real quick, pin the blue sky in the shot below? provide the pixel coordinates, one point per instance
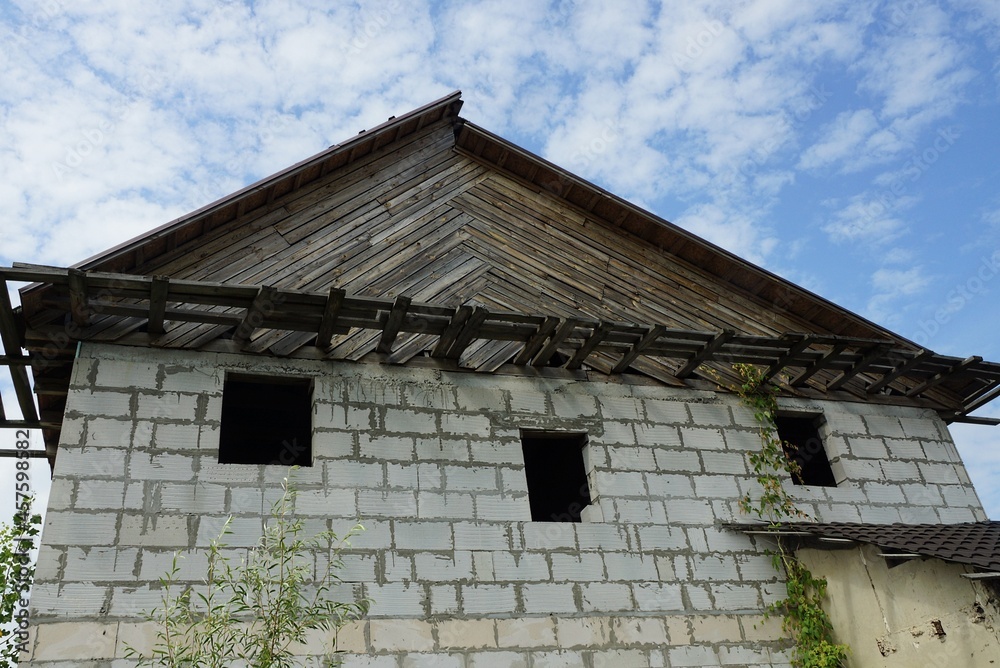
(848, 146)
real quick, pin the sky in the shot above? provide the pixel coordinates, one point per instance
(848, 146)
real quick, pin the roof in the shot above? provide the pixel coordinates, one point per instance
(972, 543)
(430, 237)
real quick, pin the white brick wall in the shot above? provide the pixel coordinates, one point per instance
(431, 462)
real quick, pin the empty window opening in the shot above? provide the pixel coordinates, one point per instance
(557, 477)
(266, 420)
(802, 444)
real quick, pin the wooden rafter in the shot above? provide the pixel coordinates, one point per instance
(331, 311)
(867, 359)
(899, 370)
(583, 352)
(705, 353)
(158, 290)
(648, 339)
(562, 333)
(11, 341)
(942, 376)
(817, 366)
(393, 323)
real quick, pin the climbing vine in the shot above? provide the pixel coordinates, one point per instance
(802, 612)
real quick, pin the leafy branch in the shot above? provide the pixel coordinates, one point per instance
(258, 610)
(802, 613)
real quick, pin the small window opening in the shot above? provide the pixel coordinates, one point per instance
(802, 444)
(266, 420)
(557, 477)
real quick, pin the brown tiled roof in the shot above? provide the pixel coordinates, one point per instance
(973, 543)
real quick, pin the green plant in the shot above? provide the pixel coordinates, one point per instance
(17, 540)
(255, 611)
(801, 610)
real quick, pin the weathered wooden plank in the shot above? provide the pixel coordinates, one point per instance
(562, 333)
(331, 312)
(597, 335)
(12, 348)
(899, 370)
(536, 342)
(706, 352)
(818, 365)
(868, 358)
(393, 323)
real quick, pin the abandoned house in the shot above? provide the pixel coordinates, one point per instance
(520, 384)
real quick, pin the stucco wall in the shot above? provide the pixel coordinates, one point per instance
(431, 462)
(917, 613)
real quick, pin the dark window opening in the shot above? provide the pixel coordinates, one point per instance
(802, 444)
(557, 478)
(266, 420)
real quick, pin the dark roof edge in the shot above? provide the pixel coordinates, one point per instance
(657, 224)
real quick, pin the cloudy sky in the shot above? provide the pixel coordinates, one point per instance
(849, 146)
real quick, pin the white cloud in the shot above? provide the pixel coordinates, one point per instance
(889, 287)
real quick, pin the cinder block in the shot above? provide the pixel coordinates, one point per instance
(466, 633)
(360, 475)
(100, 494)
(91, 462)
(710, 414)
(631, 458)
(658, 597)
(455, 505)
(690, 511)
(620, 483)
(882, 493)
(401, 635)
(734, 596)
(648, 631)
(472, 426)
(75, 641)
(605, 597)
(941, 474)
(167, 406)
(674, 459)
(867, 448)
(617, 433)
(582, 631)
(333, 444)
(557, 659)
(939, 451)
(526, 401)
(480, 398)
(497, 452)
(454, 567)
(520, 567)
(176, 436)
(713, 567)
(897, 471)
(660, 538)
(74, 528)
(443, 449)
(716, 486)
(703, 439)
(607, 537)
(526, 632)
(637, 511)
(629, 567)
(693, 655)
(573, 405)
(734, 463)
(923, 428)
(481, 536)
(502, 507)
(658, 435)
(399, 421)
(99, 564)
(485, 599)
(884, 425)
(146, 466)
(621, 408)
(422, 536)
(471, 478)
(666, 412)
(395, 599)
(491, 659)
(387, 503)
(386, 448)
(106, 403)
(345, 417)
(586, 567)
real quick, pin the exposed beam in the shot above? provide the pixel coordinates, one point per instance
(468, 332)
(558, 337)
(451, 332)
(798, 342)
(866, 361)
(157, 304)
(991, 393)
(648, 339)
(599, 334)
(12, 348)
(537, 340)
(705, 353)
(331, 311)
(392, 324)
(900, 370)
(972, 419)
(818, 365)
(255, 314)
(79, 310)
(937, 378)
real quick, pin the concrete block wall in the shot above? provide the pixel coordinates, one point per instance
(431, 462)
